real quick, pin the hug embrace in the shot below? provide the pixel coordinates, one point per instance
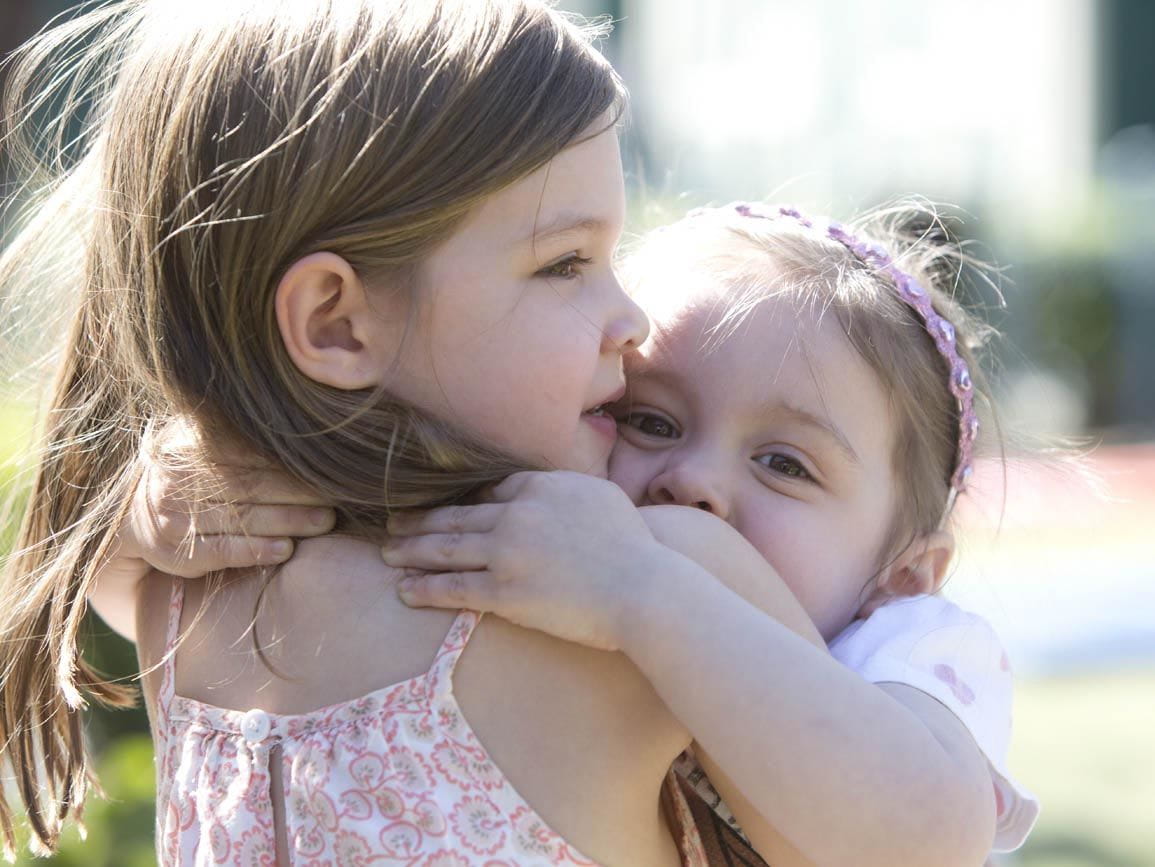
(445, 536)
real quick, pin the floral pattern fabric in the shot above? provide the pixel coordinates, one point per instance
(394, 777)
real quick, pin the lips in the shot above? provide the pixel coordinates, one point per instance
(602, 422)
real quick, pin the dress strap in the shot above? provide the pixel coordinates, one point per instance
(441, 672)
(172, 635)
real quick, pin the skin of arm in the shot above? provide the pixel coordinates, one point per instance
(852, 772)
(819, 766)
(116, 593)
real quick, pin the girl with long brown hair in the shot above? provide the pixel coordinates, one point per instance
(370, 244)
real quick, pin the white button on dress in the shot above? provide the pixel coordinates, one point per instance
(255, 726)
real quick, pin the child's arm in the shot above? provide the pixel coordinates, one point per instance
(250, 519)
(807, 728)
(851, 773)
(698, 536)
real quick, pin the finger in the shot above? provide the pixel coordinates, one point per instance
(476, 590)
(204, 554)
(448, 519)
(247, 519)
(439, 552)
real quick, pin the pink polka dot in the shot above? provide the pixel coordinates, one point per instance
(961, 691)
(946, 674)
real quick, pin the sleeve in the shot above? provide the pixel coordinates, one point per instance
(954, 656)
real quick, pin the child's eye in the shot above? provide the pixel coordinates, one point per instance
(651, 425)
(566, 269)
(784, 465)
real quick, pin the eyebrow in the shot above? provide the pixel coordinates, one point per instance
(823, 425)
(564, 224)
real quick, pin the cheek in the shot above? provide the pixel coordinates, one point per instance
(513, 364)
(632, 469)
(815, 562)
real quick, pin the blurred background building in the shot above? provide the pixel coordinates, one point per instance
(1036, 119)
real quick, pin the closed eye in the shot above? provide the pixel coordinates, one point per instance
(566, 269)
(786, 466)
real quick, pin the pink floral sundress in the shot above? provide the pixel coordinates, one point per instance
(394, 777)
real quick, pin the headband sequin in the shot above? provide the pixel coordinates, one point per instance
(917, 298)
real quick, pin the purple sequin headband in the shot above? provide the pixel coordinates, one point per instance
(917, 298)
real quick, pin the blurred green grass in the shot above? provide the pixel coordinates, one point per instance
(1085, 745)
(16, 422)
(120, 825)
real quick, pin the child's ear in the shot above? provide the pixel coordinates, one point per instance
(330, 330)
(920, 568)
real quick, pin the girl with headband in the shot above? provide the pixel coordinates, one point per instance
(813, 386)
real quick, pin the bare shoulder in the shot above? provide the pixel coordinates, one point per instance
(516, 686)
(332, 628)
(332, 604)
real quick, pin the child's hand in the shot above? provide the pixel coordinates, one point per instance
(560, 552)
(188, 523)
(238, 513)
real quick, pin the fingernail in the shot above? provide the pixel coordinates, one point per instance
(320, 517)
(282, 548)
(405, 588)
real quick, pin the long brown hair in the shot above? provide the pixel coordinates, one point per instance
(218, 143)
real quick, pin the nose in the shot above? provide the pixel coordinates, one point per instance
(690, 483)
(628, 326)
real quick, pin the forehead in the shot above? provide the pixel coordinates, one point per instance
(739, 360)
(698, 326)
(580, 189)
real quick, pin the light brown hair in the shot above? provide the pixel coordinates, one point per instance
(757, 259)
(221, 142)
